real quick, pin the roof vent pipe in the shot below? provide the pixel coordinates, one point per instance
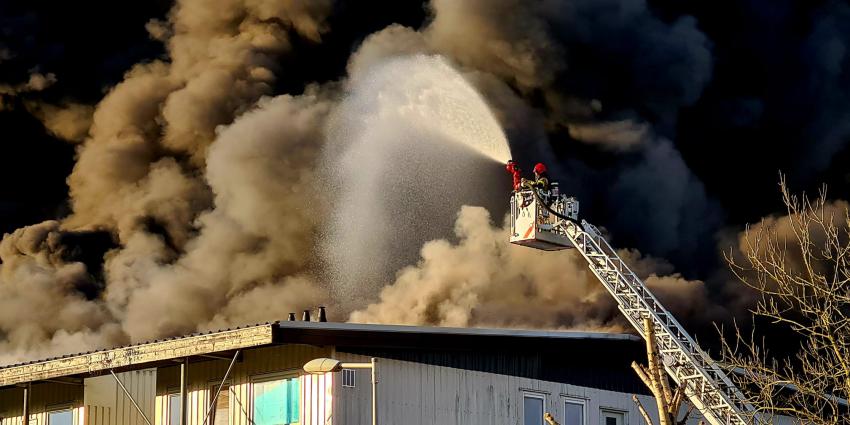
(306, 316)
(322, 315)
(291, 317)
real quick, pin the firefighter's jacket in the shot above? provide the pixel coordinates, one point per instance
(542, 183)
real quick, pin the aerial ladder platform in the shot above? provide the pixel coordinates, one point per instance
(549, 221)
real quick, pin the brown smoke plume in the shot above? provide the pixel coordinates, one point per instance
(250, 245)
(616, 135)
(484, 281)
(40, 310)
(35, 83)
(70, 121)
(210, 214)
(222, 60)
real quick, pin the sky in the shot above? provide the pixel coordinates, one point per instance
(143, 140)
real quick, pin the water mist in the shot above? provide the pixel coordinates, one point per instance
(412, 142)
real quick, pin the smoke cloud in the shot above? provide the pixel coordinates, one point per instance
(250, 245)
(483, 281)
(70, 122)
(229, 185)
(617, 135)
(41, 308)
(36, 82)
(203, 214)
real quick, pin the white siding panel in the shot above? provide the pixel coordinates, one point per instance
(317, 400)
(419, 394)
(104, 395)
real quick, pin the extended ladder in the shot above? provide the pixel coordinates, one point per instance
(707, 387)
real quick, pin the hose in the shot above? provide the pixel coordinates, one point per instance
(548, 208)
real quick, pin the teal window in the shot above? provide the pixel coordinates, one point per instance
(277, 402)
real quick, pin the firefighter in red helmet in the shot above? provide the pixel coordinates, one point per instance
(541, 179)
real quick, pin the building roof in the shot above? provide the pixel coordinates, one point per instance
(404, 329)
(420, 337)
(148, 354)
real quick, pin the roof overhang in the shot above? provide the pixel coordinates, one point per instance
(426, 337)
(221, 344)
(145, 353)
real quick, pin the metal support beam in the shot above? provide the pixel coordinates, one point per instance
(68, 381)
(214, 357)
(374, 391)
(27, 394)
(220, 386)
(184, 391)
(132, 400)
(184, 394)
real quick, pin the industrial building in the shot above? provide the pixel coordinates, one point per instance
(254, 375)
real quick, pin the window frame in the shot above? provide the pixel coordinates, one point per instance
(274, 376)
(69, 407)
(624, 415)
(579, 401)
(168, 394)
(353, 374)
(211, 388)
(538, 395)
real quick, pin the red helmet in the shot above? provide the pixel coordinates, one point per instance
(539, 168)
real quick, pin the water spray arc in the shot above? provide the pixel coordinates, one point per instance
(410, 144)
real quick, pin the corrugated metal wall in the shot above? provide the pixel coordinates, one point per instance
(45, 397)
(409, 392)
(255, 364)
(98, 415)
(106, 403)
(419, 394)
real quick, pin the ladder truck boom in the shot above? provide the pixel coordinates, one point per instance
(550, 222)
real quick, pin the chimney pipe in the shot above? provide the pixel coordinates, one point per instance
(322, 316)
(291, 317)
(306, 316)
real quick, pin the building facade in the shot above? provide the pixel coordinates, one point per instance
(255, 376)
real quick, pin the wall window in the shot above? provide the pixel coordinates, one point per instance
(221, 412)
(174, 409)
(277, 402)
(60, 417)
(574, 412)
(611, 417)
(348, 376)
(532, 409)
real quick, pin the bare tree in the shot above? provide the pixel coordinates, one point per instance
(668, 400)
(798, 267)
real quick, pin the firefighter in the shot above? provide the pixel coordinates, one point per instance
(541, 179)
(516, 174)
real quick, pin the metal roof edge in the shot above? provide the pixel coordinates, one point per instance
(145, 352)
(435, 330)
(251, 336)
